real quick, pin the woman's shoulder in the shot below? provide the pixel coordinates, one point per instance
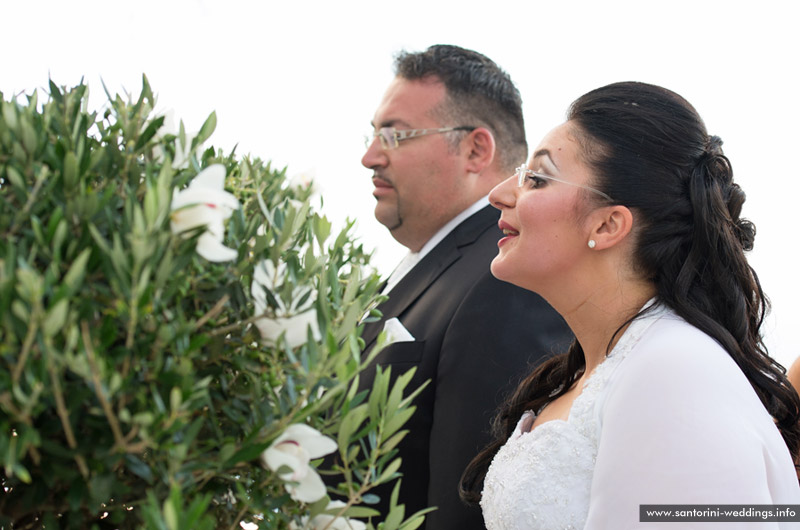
(672, 343)
(675, 362)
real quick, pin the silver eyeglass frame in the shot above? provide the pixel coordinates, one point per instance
(391, 137)
(523, 173)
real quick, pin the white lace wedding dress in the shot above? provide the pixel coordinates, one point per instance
(667, 418)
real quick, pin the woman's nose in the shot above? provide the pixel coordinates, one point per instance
(504, 195)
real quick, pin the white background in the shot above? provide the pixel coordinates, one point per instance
(298, 82)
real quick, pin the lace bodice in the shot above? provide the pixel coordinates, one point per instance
(666, 418)
(541, 479)
(553, 464)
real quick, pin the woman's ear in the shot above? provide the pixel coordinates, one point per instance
(611, 225)
(480, 150)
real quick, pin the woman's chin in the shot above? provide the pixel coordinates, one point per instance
(501, 271)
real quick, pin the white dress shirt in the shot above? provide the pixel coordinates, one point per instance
(412, 258)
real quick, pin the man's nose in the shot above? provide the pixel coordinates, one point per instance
(375, 156)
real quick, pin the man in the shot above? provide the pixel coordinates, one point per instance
(448, 129)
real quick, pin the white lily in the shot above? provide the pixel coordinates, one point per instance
(330, 522)
(206, 203)
(294, 449)
(295, 319)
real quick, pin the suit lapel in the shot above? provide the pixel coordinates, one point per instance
(424, 273)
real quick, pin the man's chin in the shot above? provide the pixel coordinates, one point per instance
(388, 219)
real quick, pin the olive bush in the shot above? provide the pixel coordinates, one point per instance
(179, 333)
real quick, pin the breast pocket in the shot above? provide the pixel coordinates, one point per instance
(401, 353)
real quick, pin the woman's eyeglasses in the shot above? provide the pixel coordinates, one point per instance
(523, 173)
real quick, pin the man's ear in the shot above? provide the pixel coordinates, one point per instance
(611, 225)
(480, 149)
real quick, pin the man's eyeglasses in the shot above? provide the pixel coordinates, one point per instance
(523, 173)
(390, 137)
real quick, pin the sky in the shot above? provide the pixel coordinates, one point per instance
(298, 83)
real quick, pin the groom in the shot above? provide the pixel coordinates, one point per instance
(449, 128)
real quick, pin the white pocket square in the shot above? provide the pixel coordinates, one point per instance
(395, 332)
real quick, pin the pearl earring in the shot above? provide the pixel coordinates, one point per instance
(591, 243)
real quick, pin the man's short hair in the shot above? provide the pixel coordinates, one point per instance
(479, 94)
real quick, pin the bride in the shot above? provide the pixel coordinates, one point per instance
(627, 222)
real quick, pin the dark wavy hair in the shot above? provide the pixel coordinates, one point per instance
(649, 150)
(479, 94)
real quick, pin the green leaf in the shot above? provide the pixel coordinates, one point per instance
(395, 494)
(143, 418)
(33, 99)
(322, 229)
(77, 272)
(29, 285)
(59, 236)
(414, 522)
(351, 318)
(370, 498)
(392, 442)
(206, 130)
(361, 511)
(352, 454)
(70, 171)
(195, 515)
(170, 511)
(394, 518)
(246, 454)
(55, 93)
(397, 420)
(353, 283)
(21, 473)
(389, 471)
(349, 425)
(99, 239)
(38, 232)
(377, 397)
(10, 114)
(175, 399)
(29, 139)
(100, 490)
(151, 206)
(55, 318)
(20, 310)
(139, 468)
(150, 131)
(15, 178)
(77, 493)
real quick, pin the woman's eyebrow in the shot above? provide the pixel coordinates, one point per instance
(544, 152)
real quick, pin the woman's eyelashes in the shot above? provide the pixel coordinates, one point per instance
(535, 181)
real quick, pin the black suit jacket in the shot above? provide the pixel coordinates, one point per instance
(476, 338)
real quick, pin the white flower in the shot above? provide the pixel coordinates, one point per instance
(304, 179)
(295, 327)
(183, 151)
(324, 520)
(206, 203)
(293, 319)
(294, 449)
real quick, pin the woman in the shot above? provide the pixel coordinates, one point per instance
(627, 222)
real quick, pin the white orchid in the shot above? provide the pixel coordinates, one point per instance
(206, 203)
(305, 179)
(294, 449)
(183, 142)
(328, 521)
(293, 319)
